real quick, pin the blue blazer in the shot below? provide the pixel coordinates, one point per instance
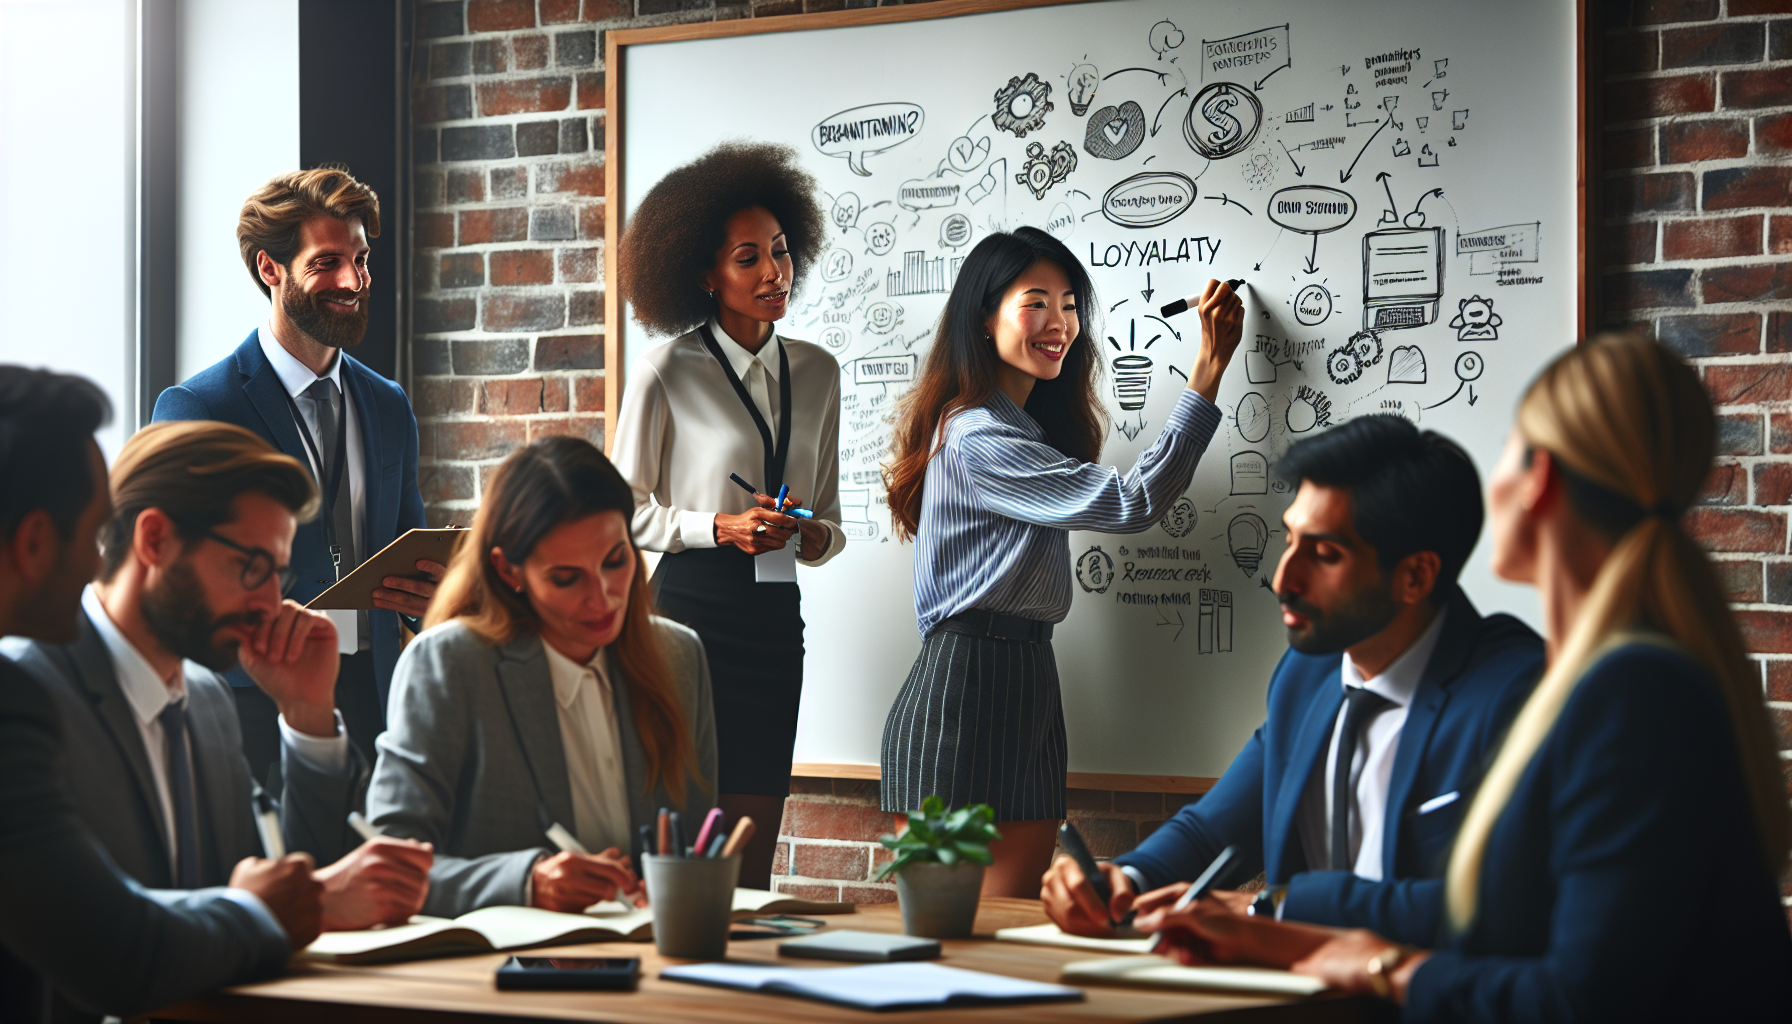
(1624, 880)
(1479, 674)
(243, 389)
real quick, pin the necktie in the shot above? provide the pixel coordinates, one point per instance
(1360, 706)
(328, 400)
(180, 788)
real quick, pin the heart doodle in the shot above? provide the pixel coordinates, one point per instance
(1114, 132)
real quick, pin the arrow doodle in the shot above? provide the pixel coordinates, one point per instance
(1313, 259)
(1222, 197)
(1391, 215)
(1158, 121)
(1344, 176)
(1166, 323)
(1164, 620)
(1147, 293)
(1299, 171)
(1272, 248)
(1459, 386)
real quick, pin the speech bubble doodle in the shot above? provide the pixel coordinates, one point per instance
(1163, 37)
(863, 131)
(836, 338)
(882, 317)
(1312, 209)
(955, 231)
(964, 155)
(881, 237)
(845, 212)
(1148, 199)
(927, 193)
(1062, 221)
(836, 265)
(884, 369)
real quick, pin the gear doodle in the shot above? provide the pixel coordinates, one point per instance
(1366, 345)
(1043, 170)
(1021, 105)
(1342, 366)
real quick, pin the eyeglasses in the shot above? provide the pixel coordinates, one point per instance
(259, 567)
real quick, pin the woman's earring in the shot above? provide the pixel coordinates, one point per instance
(519, 591)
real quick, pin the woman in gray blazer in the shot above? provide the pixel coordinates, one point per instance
(543, 692)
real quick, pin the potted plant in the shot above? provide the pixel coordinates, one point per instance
(939, 867)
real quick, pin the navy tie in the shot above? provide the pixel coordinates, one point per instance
(1360, 706)
(180, 788)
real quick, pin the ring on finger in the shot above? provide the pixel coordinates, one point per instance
(759, 529)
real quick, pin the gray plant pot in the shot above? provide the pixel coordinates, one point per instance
(939, 901)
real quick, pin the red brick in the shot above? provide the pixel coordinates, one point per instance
(1752, 90)
(1727, 484)
(441, 396)
(472, 439)
(1756, 282)
(591, 221)
(522, 266)
(525, 95)
(531, 52)
(1647, 289)
(1712, 334)
(461, 270)
(1733, 188)
(511, 397)
(1773, 134)
(1779, 235)
(808, 891)
(1621, 244)
(1779, 434)
(500, 15)
(1743, 8)
(1107, 837)
(439, 483)
(591, 428)
(777, 8)
(584, 308)
(780, 860)
(588, 392)
(1685, 142)
(515, 313)
(1646, 193)
(1631, 52)
(1740, 580)
(1735, 529)
(578, 265)
(435, 230)
(559, 12)
(570, 352)
(591, 91)
(865, 895)
(1773, 483)
(847, 863)
(1659, 97)
(1631, 147)
(441, 103)
(1765, 632)
(554, 395)
(1665, 12)
(1729, 42)
(482, 227)
(850, 822)
(1779, 331)
(466, 186)
(598, 10)
(1779, 680)
(582, 177)
(1138, 803)
(1711, 238)
(440, 315)
(1749, 384)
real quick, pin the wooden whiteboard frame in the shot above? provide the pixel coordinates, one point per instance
(616, 47)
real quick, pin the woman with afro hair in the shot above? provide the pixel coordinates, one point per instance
(710, 257)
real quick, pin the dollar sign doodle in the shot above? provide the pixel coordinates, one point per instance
(1222, 120)
(1226, 127)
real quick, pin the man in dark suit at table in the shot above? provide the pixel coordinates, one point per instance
(72, 927)
(1382, 715)
(304, 238)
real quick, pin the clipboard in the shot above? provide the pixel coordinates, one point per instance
(399, 558)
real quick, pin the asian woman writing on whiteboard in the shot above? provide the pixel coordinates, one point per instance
(994, 463)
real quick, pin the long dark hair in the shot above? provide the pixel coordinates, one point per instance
(553, 481)
(961, 368)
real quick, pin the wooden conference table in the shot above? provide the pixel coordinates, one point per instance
(459, 990)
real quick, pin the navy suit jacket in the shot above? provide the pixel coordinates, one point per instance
(242, 388)
(1479, 674)
(1584, 911)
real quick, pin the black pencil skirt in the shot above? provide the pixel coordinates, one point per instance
(753, 635)
(980, 720)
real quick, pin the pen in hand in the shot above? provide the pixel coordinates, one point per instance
(1202, 887)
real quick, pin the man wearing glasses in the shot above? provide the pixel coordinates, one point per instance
(195, 562)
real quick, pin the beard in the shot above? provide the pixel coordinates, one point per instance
(1357, 618)
(323, 324)
(182, 622)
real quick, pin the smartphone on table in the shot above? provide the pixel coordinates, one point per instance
(615, 973)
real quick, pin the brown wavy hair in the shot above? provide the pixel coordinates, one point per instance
(961, 368)
(675, 233)
(272, 215)
(553, 481)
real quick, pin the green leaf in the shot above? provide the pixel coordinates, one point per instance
(975, 853)
(947, 855)
(957, 821)
(919, 828)
(933, 807)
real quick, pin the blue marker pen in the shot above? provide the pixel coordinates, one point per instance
(783, 492)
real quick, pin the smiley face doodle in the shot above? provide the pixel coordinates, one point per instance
(882, 317)
(880, 237)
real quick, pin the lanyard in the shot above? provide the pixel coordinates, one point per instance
(335, 484)
(774, 454)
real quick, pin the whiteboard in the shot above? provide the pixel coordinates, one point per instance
(1395, 181)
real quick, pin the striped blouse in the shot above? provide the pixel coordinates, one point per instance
(999, 502)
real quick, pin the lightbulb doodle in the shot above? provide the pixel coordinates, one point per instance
(1246, 537)
(1080, 86)
(1132, 369)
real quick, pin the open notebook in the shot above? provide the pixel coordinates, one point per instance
(496, 928)
(909, 986)
(1159, 972)
(1050, 935)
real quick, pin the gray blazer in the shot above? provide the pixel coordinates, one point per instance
(106, 769)
(472, 751)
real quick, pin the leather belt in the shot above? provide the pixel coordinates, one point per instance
(977, 622)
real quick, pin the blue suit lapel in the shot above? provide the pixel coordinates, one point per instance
(1448, 660)
(1315, 735)
(264, 391)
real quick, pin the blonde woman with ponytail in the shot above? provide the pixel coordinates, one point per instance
(1621, 857)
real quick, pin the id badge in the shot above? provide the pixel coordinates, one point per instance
(776, 566)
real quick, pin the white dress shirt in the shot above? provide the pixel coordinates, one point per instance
(149, 694)
(593, 746)
(1373, 766)
(297, 377)
(682, 430)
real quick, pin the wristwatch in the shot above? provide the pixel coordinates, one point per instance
(1381, 967)
(1268, 902)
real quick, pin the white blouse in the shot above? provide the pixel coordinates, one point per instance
(592, 740)
(683, 429)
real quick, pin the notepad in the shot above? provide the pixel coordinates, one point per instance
(1159, 972)
(878, 986)
(860, 947)
(1052, 935)
(499, 928)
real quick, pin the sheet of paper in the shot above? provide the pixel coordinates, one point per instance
(1051, 935)
(875, 986)
(776, 566)
(346, 629)
(1159, 972)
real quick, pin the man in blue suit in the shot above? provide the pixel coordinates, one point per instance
(1382, 715)
(303, 238)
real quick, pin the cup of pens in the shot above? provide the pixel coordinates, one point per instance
(691, 888)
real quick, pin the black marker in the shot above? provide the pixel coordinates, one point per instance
(750, 489)
(1188, 302)
(801, 513)
(1072, 841)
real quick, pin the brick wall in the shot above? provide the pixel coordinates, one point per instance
(1695, 244)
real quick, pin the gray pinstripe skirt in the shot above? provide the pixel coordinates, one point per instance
(979, 720)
